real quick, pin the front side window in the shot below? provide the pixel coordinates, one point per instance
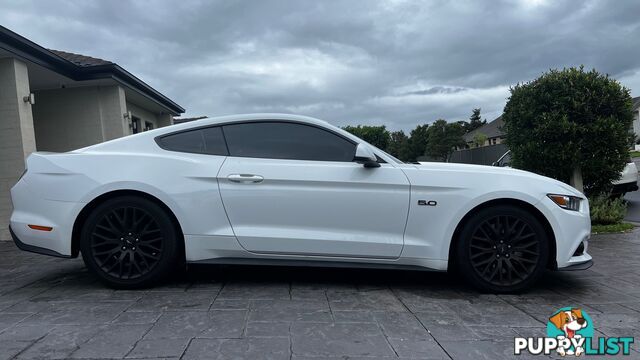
(200, 141)
(281, 140)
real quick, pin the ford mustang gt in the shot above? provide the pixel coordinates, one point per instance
(283, 189)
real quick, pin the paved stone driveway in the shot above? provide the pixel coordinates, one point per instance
(52, 308)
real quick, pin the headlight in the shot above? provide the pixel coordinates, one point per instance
(566, 202)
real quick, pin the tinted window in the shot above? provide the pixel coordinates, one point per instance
(201, 141)
(214, 141)
(277, 140)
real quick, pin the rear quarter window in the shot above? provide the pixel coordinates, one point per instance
(209, 141)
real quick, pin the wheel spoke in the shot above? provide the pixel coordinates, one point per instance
(482, 253)
(105, 238)
(150, 256)
(150, 247)
(109, 252)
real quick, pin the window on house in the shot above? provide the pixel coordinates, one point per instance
(148, 125)
(135, 125)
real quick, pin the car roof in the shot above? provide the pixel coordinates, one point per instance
(243, 117)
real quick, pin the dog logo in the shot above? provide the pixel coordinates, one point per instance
(574, 324)
(570, 332)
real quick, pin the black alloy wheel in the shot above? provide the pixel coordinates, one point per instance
(129, 242)
(503, 249)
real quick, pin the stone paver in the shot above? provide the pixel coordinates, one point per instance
(52, 308)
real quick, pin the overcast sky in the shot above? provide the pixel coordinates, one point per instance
(397, 63)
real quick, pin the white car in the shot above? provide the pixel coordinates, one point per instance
(283, 189)
(627, 182)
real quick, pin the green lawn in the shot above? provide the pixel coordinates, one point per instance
(614, 228)
(634, 154)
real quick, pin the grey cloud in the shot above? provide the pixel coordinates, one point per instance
(397, 63)
(436, 90)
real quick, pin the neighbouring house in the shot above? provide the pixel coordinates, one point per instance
(491, 133)
(58, 101)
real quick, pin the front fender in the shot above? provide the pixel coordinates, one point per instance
(430, 229)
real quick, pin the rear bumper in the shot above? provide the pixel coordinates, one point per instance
(29, 207)
(35, 249)
(624, 188)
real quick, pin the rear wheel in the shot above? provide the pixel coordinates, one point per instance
(129, 242)
(502, 249)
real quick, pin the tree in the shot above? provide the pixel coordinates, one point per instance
(570, 125)
(443, 137)
(375, 135)
(399, 145)
(417, 143)
(479, 139)
(475, 121)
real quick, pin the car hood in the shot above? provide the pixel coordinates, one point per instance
(497, 172)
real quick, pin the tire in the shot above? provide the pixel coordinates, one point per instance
(502, 249)
(129, 242)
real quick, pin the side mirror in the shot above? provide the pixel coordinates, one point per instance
(366, 157)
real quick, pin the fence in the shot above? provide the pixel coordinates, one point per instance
(485, 155)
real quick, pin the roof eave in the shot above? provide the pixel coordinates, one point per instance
(37, 54)
(124, 77)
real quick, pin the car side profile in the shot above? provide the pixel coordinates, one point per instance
(278, 189)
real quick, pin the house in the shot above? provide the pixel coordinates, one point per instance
(58, 101)
(491, 133)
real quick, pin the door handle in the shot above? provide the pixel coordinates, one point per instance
(245, 178)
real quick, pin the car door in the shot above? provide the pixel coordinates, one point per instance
(293, 188)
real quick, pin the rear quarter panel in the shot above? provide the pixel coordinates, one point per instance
(186, 183)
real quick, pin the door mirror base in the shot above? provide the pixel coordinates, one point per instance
(370, 164)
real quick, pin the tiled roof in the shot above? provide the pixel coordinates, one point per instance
(490, 130)
(80, 68)
(80, 60)
(636, 103)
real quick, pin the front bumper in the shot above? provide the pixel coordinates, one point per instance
(572, 230)
(578, 266)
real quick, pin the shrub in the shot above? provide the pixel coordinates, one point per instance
(606, 211)
(570, 120)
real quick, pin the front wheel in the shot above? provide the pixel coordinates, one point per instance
(502, 249)
(129, 242)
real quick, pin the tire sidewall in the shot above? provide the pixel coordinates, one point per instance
(464, 263)
(170, 240)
